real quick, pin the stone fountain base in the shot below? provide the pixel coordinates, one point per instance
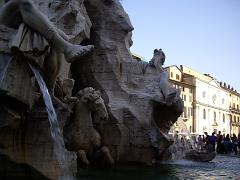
(28, 149)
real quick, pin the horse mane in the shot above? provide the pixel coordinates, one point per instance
(88, 94)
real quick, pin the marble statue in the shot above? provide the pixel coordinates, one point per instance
(34, 37)
(81, 135)
(141, 107)
(164, 86)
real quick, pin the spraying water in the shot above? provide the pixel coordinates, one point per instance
(59, 147)
(183, 141)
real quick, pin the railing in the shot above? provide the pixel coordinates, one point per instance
(234, 109)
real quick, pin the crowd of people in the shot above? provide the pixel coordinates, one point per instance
(221, 143)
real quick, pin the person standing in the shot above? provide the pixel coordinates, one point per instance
(239, 142)
(235, 143)
(212, 140)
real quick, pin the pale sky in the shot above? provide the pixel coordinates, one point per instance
(201, 34)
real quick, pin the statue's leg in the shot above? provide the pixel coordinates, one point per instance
(83, 157)
(41, 24)
(52, 65)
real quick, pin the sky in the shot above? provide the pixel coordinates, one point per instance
(201, 34)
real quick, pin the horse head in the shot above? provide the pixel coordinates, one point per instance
(95, 103)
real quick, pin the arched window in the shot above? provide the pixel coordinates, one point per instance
(223, 118)
(204, 113)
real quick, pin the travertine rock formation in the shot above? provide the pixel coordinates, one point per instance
(138, 117)
(139, 120)
(24, 127)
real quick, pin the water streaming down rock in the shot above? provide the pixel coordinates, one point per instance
(59, 147)
(183, 141)
(186, 132)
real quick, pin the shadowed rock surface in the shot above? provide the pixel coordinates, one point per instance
(139, 120)
(24, 127)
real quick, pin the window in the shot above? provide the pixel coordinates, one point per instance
(215, 116)
(190, 113)
(223, 118)
(214, 98)
(190, 90)
(238, 119)
(237, 107)
(185, 98)
(234, 119)
(171, 74)
(177, 77)
(190, 129)
(183, 89)
(223, 100)
(185, 112)
(204, 94)
(204, 113)
(190, 99)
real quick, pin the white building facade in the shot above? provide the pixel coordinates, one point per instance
(212, 107)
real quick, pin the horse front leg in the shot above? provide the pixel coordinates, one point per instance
(107, 155)
(83, 157)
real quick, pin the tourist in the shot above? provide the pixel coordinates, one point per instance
(220, 145)
(218, 135)
(228, 144)
(189, 144)
(235, 143)
(200, 143)
(212, 139)
(239, 142)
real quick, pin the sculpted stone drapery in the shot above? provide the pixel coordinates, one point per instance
(28, 35)
(35, 34)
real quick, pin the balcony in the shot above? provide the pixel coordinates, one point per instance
(235, 110)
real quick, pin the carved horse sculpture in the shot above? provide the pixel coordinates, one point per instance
(80, 135)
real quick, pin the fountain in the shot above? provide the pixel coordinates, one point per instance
(185, 146)
(59, 146)
(140, 105)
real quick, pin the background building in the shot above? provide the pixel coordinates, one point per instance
(234, 107)
(206, 103)
(209, 105)
(176, 78)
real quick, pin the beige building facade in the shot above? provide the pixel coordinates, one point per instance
(186, 121)
(208, 107)
(234, 107)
